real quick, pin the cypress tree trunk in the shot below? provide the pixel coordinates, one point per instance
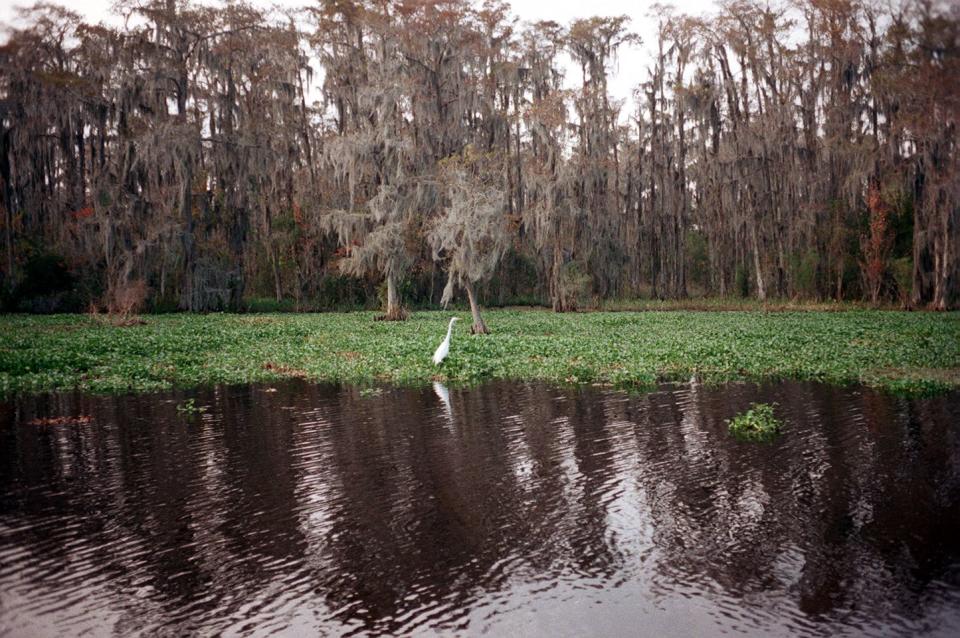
(394, 310)
(479, 327)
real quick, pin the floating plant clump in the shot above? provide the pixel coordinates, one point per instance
(758, 423)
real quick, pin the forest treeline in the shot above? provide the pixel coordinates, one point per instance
(200, 156)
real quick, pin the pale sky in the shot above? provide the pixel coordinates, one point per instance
(632, 63)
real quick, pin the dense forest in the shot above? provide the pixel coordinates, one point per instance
(410, 152)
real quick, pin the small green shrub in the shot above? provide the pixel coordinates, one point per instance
(515, 283)
(190, 407)
(270, 304)
(340, 292)
(805, 268)
(698, 260)
(741, 282)
(757, 424)
(47, 286)
(902, 269)
(574, 286)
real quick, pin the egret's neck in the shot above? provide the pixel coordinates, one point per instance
(449, 329)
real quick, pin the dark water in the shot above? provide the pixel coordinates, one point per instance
(510, 509)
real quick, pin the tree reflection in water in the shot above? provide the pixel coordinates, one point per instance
(508, 507)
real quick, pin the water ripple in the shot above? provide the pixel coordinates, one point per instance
(504, 509)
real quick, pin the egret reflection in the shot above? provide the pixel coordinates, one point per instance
(444, 395)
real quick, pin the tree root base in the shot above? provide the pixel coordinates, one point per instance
(400, 314)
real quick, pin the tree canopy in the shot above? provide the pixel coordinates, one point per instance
(205, 155)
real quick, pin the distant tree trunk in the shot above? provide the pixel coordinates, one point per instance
(923, 259)
(761, 288)
(8, 223)
(944, 295)
(8, 217)
(559, 302)
(940, 278)
(163, 273)
(6, 197)
(479, 327)
(188, 295)
(277, 284)
(394, 310)
(238, 283)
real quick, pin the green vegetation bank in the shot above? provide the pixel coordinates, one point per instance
(898, 351)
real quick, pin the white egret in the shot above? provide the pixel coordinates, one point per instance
(444, 348)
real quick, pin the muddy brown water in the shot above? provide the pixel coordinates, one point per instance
(505, 509)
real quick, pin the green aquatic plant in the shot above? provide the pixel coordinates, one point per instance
(758, 423)
(190, 407)
(910, 353)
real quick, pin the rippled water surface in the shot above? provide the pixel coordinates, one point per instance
(505, 509)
